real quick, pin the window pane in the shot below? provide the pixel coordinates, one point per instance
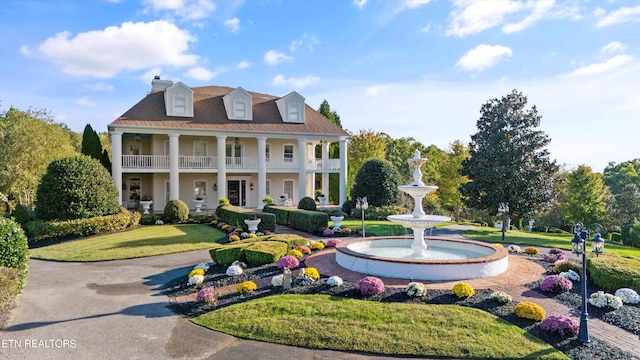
(288, 153)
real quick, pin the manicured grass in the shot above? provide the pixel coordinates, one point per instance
(381, 227)
(562, 241)
(374, 327)
(143, 241)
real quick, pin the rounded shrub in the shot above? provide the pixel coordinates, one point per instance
(14, 250)
(316, 245)
(246, 287)
(22, 215)
(500, 297)
(556, 283)
(463, 290)
(288, 261)
(176, 211)
(196, 272)
(77, 187)
(378, 180)
(565, 266)
(562, 324)
(307, 203)
(530, 310)
(332, 242)
(531, 250)
(303, 249)
(371, 285)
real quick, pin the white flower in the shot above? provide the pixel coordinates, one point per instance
(334, 281)
(239, 263)
(277, 280)
(602, 299)
(571, 275)
(196, 280)
(628, 296)
(514, 249)
(159, 222)
(234, 270)
(501, 297)
(244, 235)
(416, 289)
(203, 266)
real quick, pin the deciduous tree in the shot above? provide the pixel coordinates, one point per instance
(585, 197)
(365, 145)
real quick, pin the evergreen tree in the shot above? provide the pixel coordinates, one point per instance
(91, 145)
(507, 159)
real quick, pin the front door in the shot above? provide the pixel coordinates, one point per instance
(134, 193)
(237, 190)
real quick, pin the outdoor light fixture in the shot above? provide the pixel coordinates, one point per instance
(503, 208)
(361, 204)
(215, 187)
(578, 244)
(137, 137)
(237, 141)
(251, 187)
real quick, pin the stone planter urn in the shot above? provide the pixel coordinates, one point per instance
(337, 222)
(198, 204)
(252, 224)
(282, 200)
(323, 201)
(146, 205)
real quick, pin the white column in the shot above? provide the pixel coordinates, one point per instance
(262, 170)
(343, 171)
(222, 167)
(325, 168)
(302, 168)
(116, 161)
(174, 170)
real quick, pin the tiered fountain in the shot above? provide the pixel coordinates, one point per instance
(444, 259)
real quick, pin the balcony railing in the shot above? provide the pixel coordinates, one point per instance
(161, 162)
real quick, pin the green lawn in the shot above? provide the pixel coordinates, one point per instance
(325, 322)
(562, 241)
(143, 241)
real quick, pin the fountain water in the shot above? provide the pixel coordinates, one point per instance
(445, 259)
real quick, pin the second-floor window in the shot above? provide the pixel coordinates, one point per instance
(200, 148)
(267, 152)
(288, 153)
(179, 105)
(293, 112)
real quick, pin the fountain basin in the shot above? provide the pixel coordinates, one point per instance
(449, 260)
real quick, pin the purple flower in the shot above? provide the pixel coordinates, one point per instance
(558, 255)
(208, 295)
(290, 262)
(327, 232)
(332, 242)
(556, 251)
(370, 285)
(561, 324)
(556, 283)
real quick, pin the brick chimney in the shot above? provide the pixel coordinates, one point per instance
(158, 85)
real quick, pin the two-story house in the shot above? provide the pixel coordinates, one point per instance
(217, 142)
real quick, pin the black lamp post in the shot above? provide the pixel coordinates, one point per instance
(578, 247)
(361, 204)
(503, 208)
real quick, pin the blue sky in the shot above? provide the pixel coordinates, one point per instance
(407, 68)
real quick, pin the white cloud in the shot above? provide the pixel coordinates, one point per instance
(185, 9)
(84, 101)
(99, 86)
(472, 17)
(612, 47)
(296, 83)
(233, 24)
(482, 57)
(129, 47)
(201, 74)
(540, 9)
(244, 64)
(273, 57)
(375, 90)
(149, 74)
(599, 68)
(306, 40)
(622, 15)
(426, 28)
(360, 3)
(414, 4)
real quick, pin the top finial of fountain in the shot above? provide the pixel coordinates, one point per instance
(414, 165)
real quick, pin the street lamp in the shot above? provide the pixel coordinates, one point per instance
(578, 247)
(503, 208)
(361, 204)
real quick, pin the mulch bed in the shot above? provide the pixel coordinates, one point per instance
(627, 317)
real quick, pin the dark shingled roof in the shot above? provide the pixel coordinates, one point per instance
(209, 114)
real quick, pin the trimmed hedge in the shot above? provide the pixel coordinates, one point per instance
(291, 240)
(176, 211)
(281, 213)
(230, 253)
(40, 230)
(14, 250)
(309, 221)
(235, 215)
(612, 271)
(265, 252)
(10, 286)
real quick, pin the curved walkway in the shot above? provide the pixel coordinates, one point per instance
(113, 310)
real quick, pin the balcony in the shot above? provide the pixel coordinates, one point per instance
(150, 163)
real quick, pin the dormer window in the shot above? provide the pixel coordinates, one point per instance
(240, 109)
(179, 105)
(293, 112)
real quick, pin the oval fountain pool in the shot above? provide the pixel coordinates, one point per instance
(445, 259)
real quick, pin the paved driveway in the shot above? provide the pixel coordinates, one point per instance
(113, 310)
